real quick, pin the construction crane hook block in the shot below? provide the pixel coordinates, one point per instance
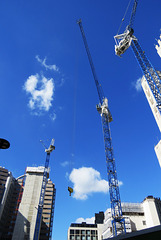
(70, 190)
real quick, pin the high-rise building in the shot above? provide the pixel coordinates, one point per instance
(153, 105)
(151, 100)
(6, 190)
(48, 211)
(19, 204)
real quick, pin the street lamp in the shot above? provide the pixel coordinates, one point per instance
(4, 144)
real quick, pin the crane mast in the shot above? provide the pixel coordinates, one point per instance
(118, 222)
(42, 194)
(149, 72)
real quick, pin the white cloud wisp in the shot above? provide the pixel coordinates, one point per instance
(87, 181)
(137, 85)
(41, 92)
(47, 67)
(158, 47)
(87, 220)
(64, 164)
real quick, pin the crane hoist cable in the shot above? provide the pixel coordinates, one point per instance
(72, 155)
(123, 41)
(123, 17)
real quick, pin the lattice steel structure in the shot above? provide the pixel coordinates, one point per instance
(118, 222)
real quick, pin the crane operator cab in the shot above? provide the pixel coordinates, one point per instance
(51, 147)
(125, 41)
(70, 190)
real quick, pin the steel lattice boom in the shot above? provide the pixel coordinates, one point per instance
(149, 72)
(42, 194)
(127, 39)
(133, 14)
(118, 222)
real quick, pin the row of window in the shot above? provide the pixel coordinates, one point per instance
(87, 232)
(77, 237)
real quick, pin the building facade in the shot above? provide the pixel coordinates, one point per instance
(48, 211)
(85, 231)
(6, 191)
(19, 205)
(138, 216)
(153, 105)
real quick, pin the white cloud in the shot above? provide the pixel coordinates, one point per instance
(53, 116)
(41, 92)
(43, 63)
(87, 220)
(158, 47)
(64, 164)
(137, 85)
(87, 181)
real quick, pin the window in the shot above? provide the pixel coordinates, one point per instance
(71, 237)
(88, 232)
(93, 232)
(77, 231)
(93, 238)
(46, 218)
(77, 237)
(83, 232)
(144, 222)
(71, 231)
(88, 238)
(83, 237)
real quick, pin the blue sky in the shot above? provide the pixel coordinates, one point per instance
(47, 91)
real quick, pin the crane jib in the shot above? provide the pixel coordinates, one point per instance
(98, 86)
(133, 13)
(118, 222)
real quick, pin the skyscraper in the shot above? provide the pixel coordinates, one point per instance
(20, 208)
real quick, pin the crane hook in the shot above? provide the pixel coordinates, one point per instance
(70, 190)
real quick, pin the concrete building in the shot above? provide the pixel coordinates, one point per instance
(27, 212)
(19, 208)
(151, 100)
(28, 208)
(48, 211)
(153, 105)
(85, 231)
(138, 216)
(6, 189)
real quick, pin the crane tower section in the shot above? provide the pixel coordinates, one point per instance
(118, 222)
(127, 39)
(42, 194)
(151, 81)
